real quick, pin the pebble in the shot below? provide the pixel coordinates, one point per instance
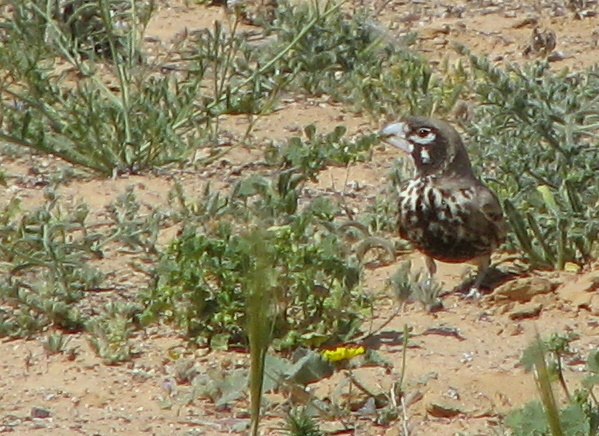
(439, 410)
(581, 291)
(528, 310)
(522, 289)
(40, 412)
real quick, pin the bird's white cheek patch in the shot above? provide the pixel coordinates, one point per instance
(425, 156)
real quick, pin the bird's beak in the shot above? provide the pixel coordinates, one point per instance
(395, 134)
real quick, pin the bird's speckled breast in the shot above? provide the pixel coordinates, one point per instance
(436, 221)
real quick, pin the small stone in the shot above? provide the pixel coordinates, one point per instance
(529, 310)
(556, 56)
(514, 329)
(40, 412)
(523, 289)
(580, 291)
(241, 426)
(242, 414)
(368, 409)
(504, 308)
(11, 421)
(435, 32)
(559, 12)
(529, 20)
(413, 397)
(439, 410)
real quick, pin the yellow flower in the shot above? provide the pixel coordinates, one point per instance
(342, 352)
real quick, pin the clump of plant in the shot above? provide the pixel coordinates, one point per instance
(536, 136)
(46, 270)
(56, 342)
(85, 29)
(81, 88)
(102, 28)
(580, 415)
(415, 286)
(300, 422)
(225, 61)
(333, 46)
(202, 281)
(63, 96)
(309, 154)
(49, 275)
(355, 60)
(110, 331)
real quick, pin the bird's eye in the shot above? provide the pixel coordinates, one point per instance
(423, 132)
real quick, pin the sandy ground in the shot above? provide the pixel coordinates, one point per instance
(475, 371)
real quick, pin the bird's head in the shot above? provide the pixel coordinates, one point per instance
(434, 145)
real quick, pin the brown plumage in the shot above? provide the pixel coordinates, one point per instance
(445, 211)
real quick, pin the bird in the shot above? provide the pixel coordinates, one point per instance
(445, 211)
(541, 43)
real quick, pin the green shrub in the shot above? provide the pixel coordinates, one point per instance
(203, 278)
(535, 135)
(356, 61)
(579, 417)
(45, 268)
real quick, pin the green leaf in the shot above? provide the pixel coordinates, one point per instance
(529, 420)
(574, 420)
(548, 198)
(309, 369)
(590, 381)
(220, 341)
(593, 361)
(532, 355)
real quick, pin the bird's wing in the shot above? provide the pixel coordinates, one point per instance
(485, 213)
(491, 212)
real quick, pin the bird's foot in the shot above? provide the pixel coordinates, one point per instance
(474, 293)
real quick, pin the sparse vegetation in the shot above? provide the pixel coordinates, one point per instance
(202, 279)
(580, 415)
(410, 286)
(262, 260)
(50, 278)
(551, 119)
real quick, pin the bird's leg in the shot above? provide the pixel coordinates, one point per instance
(431, 267)
(427, 291)
(483, 263)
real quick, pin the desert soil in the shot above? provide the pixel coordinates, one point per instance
(474, 372)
